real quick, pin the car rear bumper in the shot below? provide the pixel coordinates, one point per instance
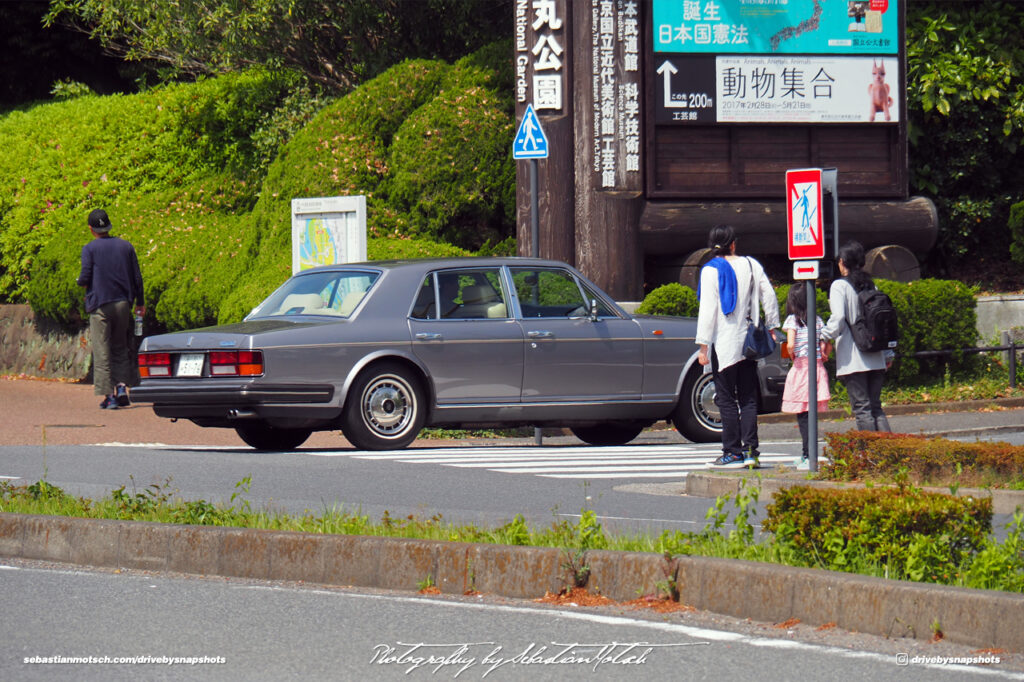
(227, 404)
(242, 394)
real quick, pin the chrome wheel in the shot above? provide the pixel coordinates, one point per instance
(388, 406)
(385, 409)
(696, 416)
(704, 407)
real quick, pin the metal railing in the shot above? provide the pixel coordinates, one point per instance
(1012, 348)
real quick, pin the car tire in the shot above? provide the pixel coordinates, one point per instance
(385, 409)
(607, 434)
(696, 417)
(262, 436)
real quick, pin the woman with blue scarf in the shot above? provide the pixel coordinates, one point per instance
(730, 286)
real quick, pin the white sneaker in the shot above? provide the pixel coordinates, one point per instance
(802, 464)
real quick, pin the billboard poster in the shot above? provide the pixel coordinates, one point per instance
(856, 27)
(760, 89)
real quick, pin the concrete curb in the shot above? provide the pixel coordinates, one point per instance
(715, 484)
(764, 592)
(909, 409)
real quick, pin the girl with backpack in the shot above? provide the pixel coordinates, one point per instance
(861, 371)
(795, 398)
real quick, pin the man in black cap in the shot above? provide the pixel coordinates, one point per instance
(113, 283)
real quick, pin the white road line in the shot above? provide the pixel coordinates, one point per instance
(10, 478)
(662, 461)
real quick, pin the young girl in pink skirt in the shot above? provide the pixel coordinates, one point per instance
(794, 397)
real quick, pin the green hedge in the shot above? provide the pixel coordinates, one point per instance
(933, 314)
(183, 172)
(899, 527)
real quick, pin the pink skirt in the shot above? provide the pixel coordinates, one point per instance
(794, 398)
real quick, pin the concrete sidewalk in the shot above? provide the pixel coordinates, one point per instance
(60, 413)
(41, 412)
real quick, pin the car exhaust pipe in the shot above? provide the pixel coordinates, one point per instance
(241, 414)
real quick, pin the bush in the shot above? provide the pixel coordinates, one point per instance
(348, 148)
(868, 455)
(670, 299)
(180, 170)
(1016, 226)
(63, 159)
(926, 536)
(934, 314)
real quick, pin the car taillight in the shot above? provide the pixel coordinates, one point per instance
(154, 365)
(236, 363)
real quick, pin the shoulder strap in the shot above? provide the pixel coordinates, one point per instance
(753, 309)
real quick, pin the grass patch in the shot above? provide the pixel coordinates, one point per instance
(729, 533)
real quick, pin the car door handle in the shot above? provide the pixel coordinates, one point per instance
(423, 336)
(539, 335)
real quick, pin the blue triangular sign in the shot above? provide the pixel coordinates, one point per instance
(530, 142)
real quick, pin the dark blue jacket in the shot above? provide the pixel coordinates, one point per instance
(110, 272)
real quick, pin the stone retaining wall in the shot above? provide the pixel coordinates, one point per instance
(39, 348)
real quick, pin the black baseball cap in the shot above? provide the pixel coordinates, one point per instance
(99, 222)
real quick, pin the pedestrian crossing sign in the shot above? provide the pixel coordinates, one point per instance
(530, 142)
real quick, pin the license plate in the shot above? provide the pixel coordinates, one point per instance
(190, 365)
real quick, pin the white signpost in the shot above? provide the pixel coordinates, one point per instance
(328, 230)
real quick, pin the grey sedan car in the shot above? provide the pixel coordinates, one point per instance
(381, 349)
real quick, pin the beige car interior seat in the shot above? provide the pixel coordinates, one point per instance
(481, 302)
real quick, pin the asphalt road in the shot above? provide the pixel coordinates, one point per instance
(238, 629)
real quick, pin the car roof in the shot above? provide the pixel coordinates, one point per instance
(424, 264)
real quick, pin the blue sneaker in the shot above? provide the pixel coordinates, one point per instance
(727, 461)
(121, 396)
(751, 459)
(109, 403)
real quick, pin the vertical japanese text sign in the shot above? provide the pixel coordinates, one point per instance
(803, 214)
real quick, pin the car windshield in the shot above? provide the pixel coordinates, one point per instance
(331, 292)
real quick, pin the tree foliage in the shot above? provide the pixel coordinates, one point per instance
(336, 43)
(965, 93)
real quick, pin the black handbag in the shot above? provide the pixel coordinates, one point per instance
(760, 342)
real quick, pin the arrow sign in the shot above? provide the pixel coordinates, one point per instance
(805, 269)
(530, 141)
(666, 70)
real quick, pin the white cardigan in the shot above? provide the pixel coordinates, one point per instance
(842, 299)
(728, 332)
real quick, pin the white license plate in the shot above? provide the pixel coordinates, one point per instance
(190, 365)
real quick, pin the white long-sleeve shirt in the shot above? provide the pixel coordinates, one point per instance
(842, 299)
(728, 332)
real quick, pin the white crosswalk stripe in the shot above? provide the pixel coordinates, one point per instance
(573, 462)
(673, 461)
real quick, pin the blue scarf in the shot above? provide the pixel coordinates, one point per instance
(726, 283)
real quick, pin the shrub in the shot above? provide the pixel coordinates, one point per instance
(860, 455)
(670, 299)
(1016, 226)
(926, 536)
(63, 159)
(934, 314)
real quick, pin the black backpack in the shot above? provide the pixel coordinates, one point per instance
(876, 327)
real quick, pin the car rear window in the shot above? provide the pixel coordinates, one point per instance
(335, 293)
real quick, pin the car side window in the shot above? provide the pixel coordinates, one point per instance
(602, 308)
(548, 293)
(425, 307)
(468, 294)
